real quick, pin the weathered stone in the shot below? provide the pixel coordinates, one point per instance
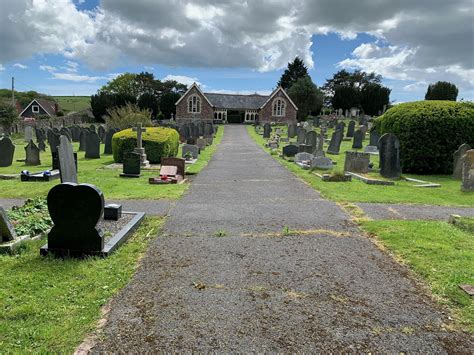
(374, 137)
(468, 171)
(358, 138)
(350, 129)
(92, 145)
(28, 133)
(7, 232)
(108, 140)
(290, 150)
(321, 163)
(389, 150)
(267, 129)
(311, 138)
(191, 149)
(301, 157)
(67, 164)
(7, 150)
(357, 162)
(291, 130)
(32, 154)
(335, 143)
(457, 160)
(301, 136)
(64, 131)
(131, 165)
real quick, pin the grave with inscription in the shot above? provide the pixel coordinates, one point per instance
(335, 143)
(92, 145)
(389, 150)
(131, 165)
(357, 162)
(32, 154)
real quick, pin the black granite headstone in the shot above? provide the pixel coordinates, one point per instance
(358, 138)
(7, 150)
(290, 150)
(389, 151)
(131, 165)
(108, 141)
(335, 143)
(350, 129)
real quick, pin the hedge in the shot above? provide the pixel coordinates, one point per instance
(429, 133)
(158, 142)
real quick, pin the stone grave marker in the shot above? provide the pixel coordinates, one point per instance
(131, 165)
(54, 142)
(468, 171)
(75, 133)
(42, 145)
(75, 211)
(290, 150)
(208, 130)
(192, 149)
(357, 162)
(101, 133)
(201, 143)
(108, 140)
(303, 157)
(92, 128)
(92, 145)
(374, 138)
(301, 136)
(341, 126)
(291, 130)
(267, 129)
(7, 232)
(28, 133)
(335, 143)
(7, 150)
(389, 150)
(311, 139)
(323, 163)
(350, 129)
(457, 160)
(64, 131)
(358, 139)
(67, 164)
(83, 140)
(139, 149)
(32, 154)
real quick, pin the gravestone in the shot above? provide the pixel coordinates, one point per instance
(335, 143)
(468, 171)
(358, 138)
(350, 129)
(374, 137)
(75, 210)
(311, 139)
(7, 150)
(131, 165)
(301, 136)
(42, 145)
(28, 133)
(267, 129)
(201, 143)
(364, 129)
(108, 140)
(291, 130)
(76, 133)
(32, 154)
(457, 161)
(341, 126)
(92, 128)
(389, 150)
(192, 149)
(67, 164)
(64, 131)
(7, 232)
(101, 133)
(83, 140)
(208, 130)
(290, 150)
(139, 149)
(321, 163)
(356, 162)
(54, 141)
(92, 145)
(303, 157)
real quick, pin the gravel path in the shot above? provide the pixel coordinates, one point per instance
(323, 288)
(401, 211)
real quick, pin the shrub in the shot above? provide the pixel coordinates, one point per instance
(429, 133)
(127, 116)
(158, 142)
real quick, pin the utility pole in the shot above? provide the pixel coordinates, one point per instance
(13, 91)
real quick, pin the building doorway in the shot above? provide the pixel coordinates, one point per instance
(235, 116)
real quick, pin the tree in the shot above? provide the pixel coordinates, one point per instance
(167, 103)
(102, 101)
(442, 90)
(306, 96)
(8, 116)
(149, 101)
(124, 84)
(345, 97)
(373, 97)
(295, 71)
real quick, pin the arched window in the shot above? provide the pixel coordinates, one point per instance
(279, 107)
(194, 104)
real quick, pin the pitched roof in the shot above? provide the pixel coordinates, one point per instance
(231, 101)
(46, 105)
(274, 93)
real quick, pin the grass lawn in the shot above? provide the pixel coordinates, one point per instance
(73, 103)
(441, 253)
(448, 194)
(49, 305)
(93, 171)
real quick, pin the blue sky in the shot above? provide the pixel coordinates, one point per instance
(222, 53)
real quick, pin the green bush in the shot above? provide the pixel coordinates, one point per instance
(158, 142)
(127, 116)
(429, 133)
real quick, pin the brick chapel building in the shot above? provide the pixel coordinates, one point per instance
(195, 104)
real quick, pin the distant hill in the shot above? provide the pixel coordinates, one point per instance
(73, 103)
(23, 98)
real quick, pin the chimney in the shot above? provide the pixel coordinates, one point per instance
(56, 107)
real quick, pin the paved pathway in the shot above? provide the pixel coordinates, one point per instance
(323, 288)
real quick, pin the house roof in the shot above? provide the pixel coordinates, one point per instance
(46, 105)
(231, 101)
(274, 93)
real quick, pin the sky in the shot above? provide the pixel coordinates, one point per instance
(73, 47)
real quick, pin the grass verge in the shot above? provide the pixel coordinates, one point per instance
(93, 171)
(440, 253)
(449, 194)
(49, 305)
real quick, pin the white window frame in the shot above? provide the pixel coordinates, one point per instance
(278, 107)
(35, 108)
(194, 104)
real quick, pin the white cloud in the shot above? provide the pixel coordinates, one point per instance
(47, 68)
(2, 67)
(77, 77)
(21, 66)
(182, 79)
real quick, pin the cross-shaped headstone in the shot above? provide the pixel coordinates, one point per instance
(139, 129)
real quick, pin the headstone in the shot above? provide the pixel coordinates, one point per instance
(101, 133)
(75, 211)
(389, 150)
(131, 165)
(341, 126)
(267, 129)
(108, 140)
(303, 157)
(54, 141)
(28, 133)
(92, 128)
(358, 138)
(83, 140)
(457, 160)
(42, 145)
(7, 232)
(7, 150)
(76, 133)
(350, 129)
(374, 137)
(291, 130)
(64, 131)
(356, 162)
(139, 149)
(67, 165)
(311, 138)
(192, 149)
(92, 145)
(321, 163)
(201, 143)
(177, 162)
(32, 154)
(290, 150)
(208, 130)
(468, 171)
(335, 143)
(301, 136)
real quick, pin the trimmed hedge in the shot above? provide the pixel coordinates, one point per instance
(158, 142)
(429, 133)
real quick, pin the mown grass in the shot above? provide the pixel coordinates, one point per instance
(440, 253)
(449, 194)
(73, 103)
(94, 171)
(49, 305)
